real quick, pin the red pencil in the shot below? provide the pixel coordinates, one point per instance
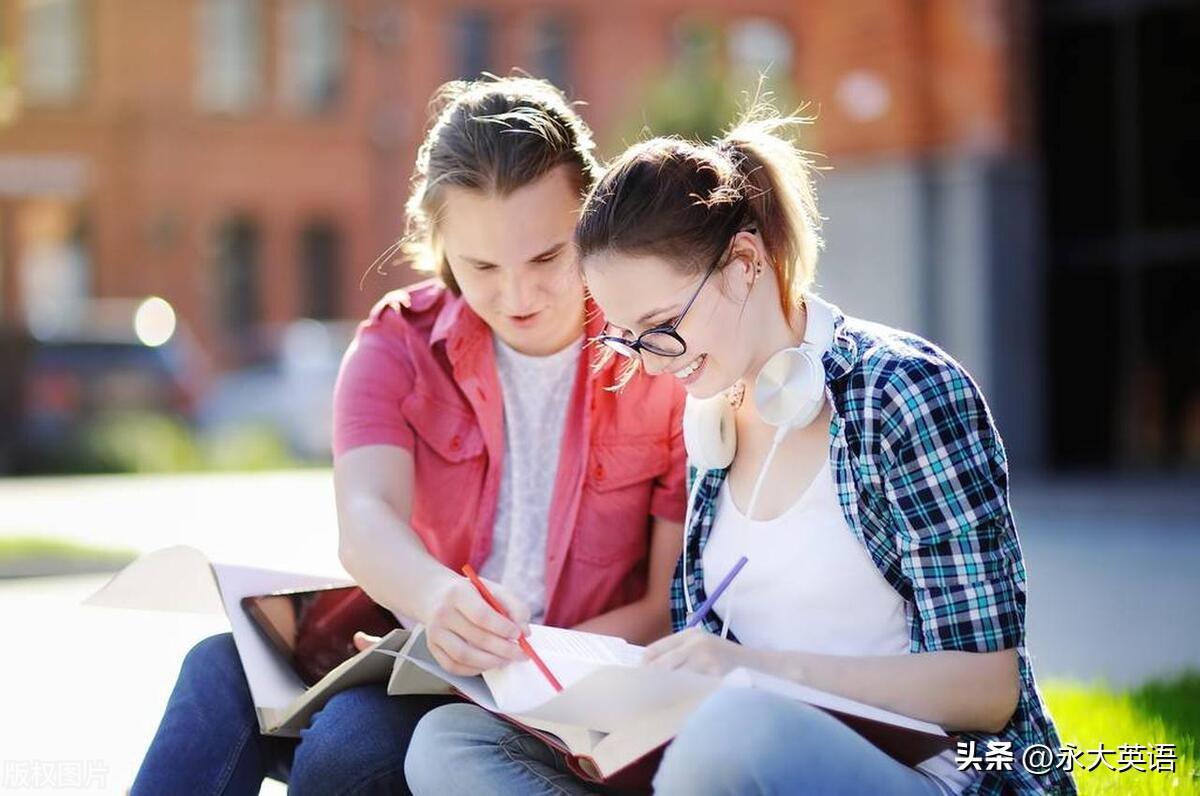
(522, 642)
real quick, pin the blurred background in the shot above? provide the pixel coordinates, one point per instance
(192, 193)
(1015, 180)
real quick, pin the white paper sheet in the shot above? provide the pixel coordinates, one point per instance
(181, 578)
(177, 578)
(570, 655)
(749, 678)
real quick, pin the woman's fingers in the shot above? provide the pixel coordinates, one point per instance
(691, 649)
(668, 643)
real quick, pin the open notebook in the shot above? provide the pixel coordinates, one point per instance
(182, 579)
(612, 719)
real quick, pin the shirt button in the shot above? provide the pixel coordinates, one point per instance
(455, 443)
(599, 472)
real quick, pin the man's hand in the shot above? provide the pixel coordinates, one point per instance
(466, 635)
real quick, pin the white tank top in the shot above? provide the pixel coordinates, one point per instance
(810, 585)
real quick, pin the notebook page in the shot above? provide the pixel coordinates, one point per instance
(824, 699)
(570, 655)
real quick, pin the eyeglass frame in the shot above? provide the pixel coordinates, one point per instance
(636, 346)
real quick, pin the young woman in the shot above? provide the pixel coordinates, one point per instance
(470, 426)
(856, 467)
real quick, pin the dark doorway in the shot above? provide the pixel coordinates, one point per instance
(1119, 133)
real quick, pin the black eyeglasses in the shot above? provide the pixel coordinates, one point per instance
(663, 340)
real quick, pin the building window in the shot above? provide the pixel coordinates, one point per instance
(230, 55)
(312, 54)
(52, 51)
(320, 256)
(759, 46)
(237, 272)
(550, 50)
(475, 33)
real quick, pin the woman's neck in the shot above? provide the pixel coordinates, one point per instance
(779, 333)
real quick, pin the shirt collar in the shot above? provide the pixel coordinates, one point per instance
(460, 328)
(843, 356)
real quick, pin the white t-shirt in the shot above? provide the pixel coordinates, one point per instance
(810, 585)
(536, 393)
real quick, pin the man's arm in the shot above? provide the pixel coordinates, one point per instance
(378, 547)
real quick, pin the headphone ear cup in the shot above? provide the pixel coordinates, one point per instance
(789, 391)
(709, 432)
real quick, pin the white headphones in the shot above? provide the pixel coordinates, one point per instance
(789, 393)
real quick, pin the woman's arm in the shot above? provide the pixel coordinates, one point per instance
(649, 618)
(971, 691)
(974, 691)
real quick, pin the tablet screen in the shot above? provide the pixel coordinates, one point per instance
(314, 628)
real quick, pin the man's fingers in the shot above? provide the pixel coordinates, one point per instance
(517, 610)
(481, 639)
(469, 659)
(476, 611)
(362, 640)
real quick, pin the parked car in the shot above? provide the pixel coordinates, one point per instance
(58, 381)
(289, 389)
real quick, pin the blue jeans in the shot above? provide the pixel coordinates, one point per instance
(739, 741)
(463, 749)
(208, 740)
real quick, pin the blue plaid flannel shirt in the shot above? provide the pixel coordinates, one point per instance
(922, 479)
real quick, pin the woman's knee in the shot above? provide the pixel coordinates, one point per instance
(737, 739)
(439, 734)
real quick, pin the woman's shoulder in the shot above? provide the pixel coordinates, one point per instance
(902, 370)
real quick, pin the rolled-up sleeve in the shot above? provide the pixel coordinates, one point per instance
(946, 482)
(374, 378)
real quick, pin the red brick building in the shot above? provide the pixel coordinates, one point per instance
(1005, 172)
(248, 159)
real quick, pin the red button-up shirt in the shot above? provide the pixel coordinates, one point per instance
(421, 375)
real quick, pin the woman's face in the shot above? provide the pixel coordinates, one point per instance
(513, 259)
(640, 292)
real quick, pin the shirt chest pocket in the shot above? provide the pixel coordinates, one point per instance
(619, 485)
(448, 463)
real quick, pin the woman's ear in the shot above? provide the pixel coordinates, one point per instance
(750, 254)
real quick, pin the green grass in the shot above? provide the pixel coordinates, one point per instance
(1161, 711)
(35, 555)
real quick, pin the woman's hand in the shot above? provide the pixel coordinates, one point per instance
(699, 651)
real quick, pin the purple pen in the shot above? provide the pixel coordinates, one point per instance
(707, 605)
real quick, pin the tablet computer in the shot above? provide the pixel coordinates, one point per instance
(314, 628)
